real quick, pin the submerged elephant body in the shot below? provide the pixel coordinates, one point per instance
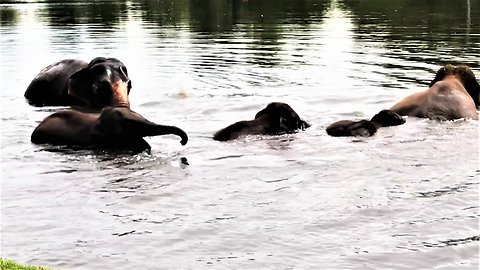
(365, 128)
(276, 118)
(112, 128)
(454, 93)
(50, 86)
(102, 82)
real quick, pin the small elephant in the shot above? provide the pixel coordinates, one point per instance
(365, 128)
(454, 93)
(116, 128)
(387, 118)
(100, 83)
(276, 118)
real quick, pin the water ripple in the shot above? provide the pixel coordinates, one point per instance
(405, 198)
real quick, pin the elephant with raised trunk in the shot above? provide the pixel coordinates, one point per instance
(117, 128)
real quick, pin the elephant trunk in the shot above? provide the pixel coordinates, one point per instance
(163, 130)
(135, 124)
(179, 132)
(120, 94)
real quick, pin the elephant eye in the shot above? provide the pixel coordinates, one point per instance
(283, 123)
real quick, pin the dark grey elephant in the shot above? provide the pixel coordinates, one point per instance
(454, 93)
(116, 128)
(276, 118)
(102, 82)
(365, 128)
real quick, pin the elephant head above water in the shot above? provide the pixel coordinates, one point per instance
(276, 118)
(365, 128)
(117, 128)
(100, 83)
(104, 82)
(454, 93)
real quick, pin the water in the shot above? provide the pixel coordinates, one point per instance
(406, 198)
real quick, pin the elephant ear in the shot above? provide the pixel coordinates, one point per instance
(441, 73)
(284, 124)
(473, 88)
(261, 113)
(470, 83)
(79, 86)
(270, 109)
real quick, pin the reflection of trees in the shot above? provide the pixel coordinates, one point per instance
(8, 16)
(212, 15)
(203, 15)
(263, 22)
(73, 12)
(221, 15)
(163, 12)
(417, 25)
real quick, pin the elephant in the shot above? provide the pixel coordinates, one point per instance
(72, 82)
(116, 128)
(276, 118)
(365, 128)
(454, 93)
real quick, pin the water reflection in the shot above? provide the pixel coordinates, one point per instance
(8, 16)
(414, 29)
(337, 37)
(161, 12)
(212, 16)
(107, 13)
(418, 27)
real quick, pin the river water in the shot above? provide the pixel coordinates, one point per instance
(406, 198)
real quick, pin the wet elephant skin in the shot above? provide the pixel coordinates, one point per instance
(102, 82)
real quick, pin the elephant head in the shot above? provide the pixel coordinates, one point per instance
(343, 128)
(120, 127)
(365, 128)
(387, 118)
(276, 118)
(466, 76)
(281, 118)
(104, 82)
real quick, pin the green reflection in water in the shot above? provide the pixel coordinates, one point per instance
(419, 25)
(410, 26)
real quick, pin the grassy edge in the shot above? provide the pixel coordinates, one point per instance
(11, 265)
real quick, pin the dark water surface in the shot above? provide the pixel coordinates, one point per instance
(406, 198)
